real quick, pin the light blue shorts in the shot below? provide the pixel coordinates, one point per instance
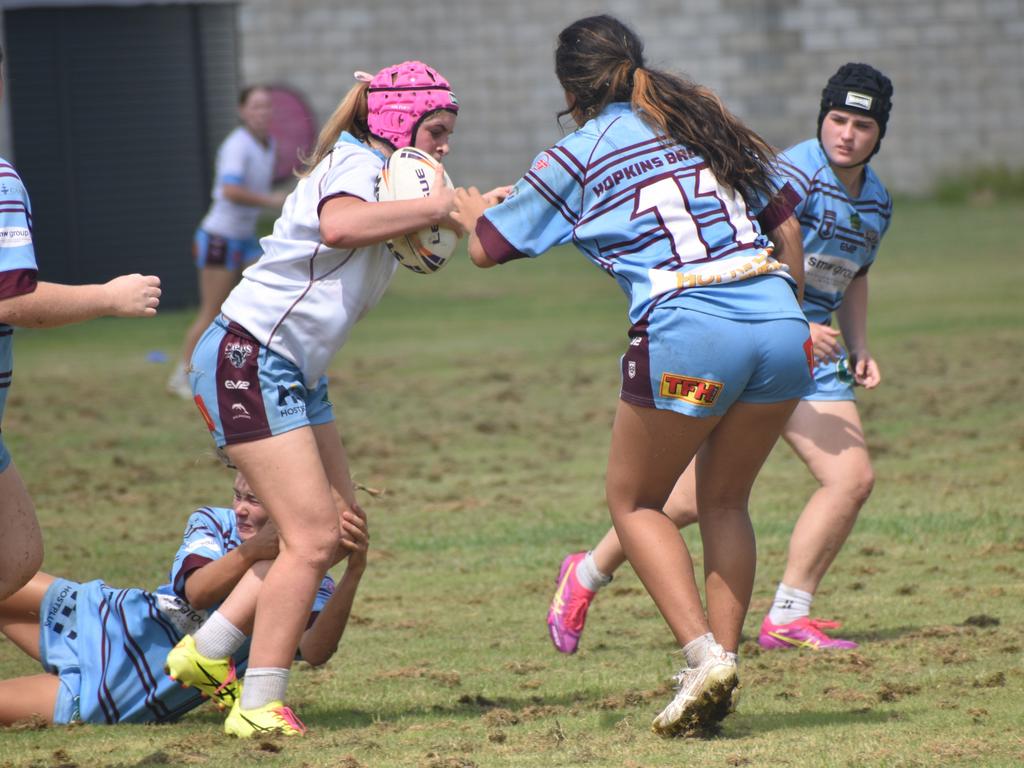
(700, 364)
(247, 392)
(107, 647)
(58, 646)
(210, 250)
(827, 384)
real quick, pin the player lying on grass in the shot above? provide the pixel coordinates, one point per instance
(844, 211)
(104, 649)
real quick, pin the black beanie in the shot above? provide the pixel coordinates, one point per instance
(861, 89)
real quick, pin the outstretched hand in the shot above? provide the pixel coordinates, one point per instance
(133, 295)
(444, 196)
(469, 206)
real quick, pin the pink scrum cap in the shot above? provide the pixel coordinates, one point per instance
(401, 95)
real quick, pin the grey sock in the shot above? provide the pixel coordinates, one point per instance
(263, 685)
(218, 637)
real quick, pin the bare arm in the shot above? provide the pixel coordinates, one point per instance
(207, 586)
(348, 222)
(236, 193)
(320, 641)
(470, 206)
(789, 250)
(53, 304)
(853, 322)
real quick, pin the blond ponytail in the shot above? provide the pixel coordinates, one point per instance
(350, 115)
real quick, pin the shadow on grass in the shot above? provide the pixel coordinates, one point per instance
(879, 635)
(471, 706)
(755, 723)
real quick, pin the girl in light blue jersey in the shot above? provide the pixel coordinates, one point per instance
(103, 649)
(844, 210)
(27, 302)
(674, 198)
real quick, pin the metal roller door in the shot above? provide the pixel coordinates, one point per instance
(116, 114)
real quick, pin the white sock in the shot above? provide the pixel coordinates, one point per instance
(697, 650)
(789, 605)
(218, 637)
(588, 575)
(262, 686)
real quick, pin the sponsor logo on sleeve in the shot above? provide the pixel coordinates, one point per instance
(15, 237)
(207, 543)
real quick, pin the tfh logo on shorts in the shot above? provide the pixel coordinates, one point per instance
(702, 392)
(237, 352)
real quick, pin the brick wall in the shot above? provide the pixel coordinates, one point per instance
(957, 65)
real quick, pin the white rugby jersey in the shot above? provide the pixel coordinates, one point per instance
(244, 161)
(302, 297)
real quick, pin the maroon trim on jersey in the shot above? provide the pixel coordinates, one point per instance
(189, 565)
(240, 406)
(327, 198)
(636, 368)
(497, 248)
(17, 282)
(779, 208)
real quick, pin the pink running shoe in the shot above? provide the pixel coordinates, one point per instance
(802, 633)
(568, 610)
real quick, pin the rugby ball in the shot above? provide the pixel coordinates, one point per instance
(409, 174)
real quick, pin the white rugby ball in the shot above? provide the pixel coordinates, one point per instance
(409, 174)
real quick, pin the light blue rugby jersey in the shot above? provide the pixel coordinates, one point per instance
(126, 634)
(651, 215)
(17, 261)
(841, 236)
(212, 532)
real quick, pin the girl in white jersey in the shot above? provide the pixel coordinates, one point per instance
(672, 196)
(843, 210)
(258, 373)
(226, 241)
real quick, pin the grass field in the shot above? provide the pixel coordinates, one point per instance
(479, 404)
